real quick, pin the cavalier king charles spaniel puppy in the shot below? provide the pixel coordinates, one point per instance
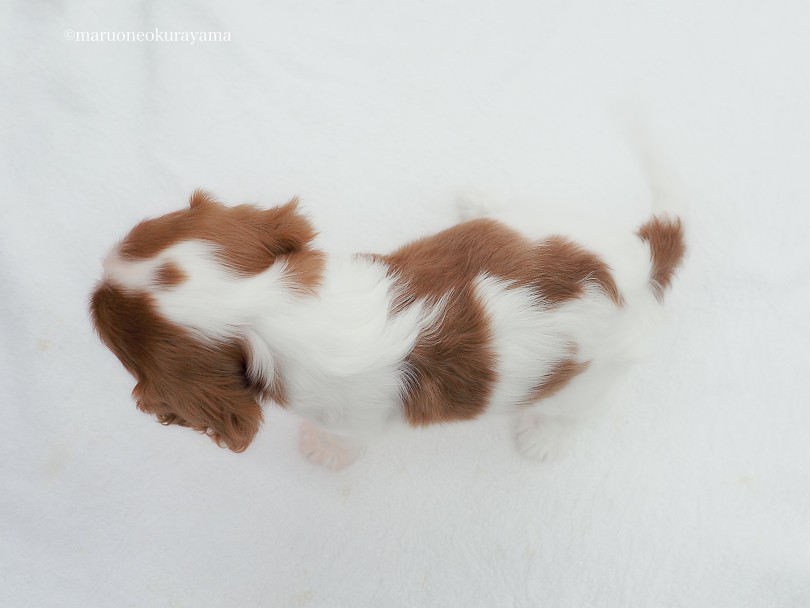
(217, 310)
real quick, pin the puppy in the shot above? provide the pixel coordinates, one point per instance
(217, 310)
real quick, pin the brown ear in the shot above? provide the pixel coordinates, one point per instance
(229, 415)
(205, 388)
(181, 378)
(286, 229)
(200, 197)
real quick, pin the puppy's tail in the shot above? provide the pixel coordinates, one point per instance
(665, 238)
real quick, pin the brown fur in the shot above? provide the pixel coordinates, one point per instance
(557, 268)
(560, 375)
(667, 248)
(451, 370)
(561, 269)
(180, 379)
(169, 275)
(248, 238)
(305, 268)
(449, 374)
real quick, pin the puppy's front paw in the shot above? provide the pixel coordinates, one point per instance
(320, 447)
(539, 437)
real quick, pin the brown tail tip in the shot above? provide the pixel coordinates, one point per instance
(665, 237)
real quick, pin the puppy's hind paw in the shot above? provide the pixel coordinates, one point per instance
(320, 447)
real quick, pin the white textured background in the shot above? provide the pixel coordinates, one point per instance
(691, 490)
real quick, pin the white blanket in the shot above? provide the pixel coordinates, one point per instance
(693, 486)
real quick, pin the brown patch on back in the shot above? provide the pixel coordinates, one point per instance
(557, 268)
(559, 376)
(180, 379)
(248, 238)
(449, 374)
(667, 248)
(561, 269)
(451, 370)
(169, 275)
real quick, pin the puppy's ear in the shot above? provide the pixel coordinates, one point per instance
(206, 390)
(286, 229)
(182, 379)
(200, 197)
(229, 416)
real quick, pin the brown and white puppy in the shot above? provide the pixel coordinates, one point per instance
(216, 310)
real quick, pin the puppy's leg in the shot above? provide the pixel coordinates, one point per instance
(543, 430)
(321, 447)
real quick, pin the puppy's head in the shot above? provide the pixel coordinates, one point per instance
(184, 377)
